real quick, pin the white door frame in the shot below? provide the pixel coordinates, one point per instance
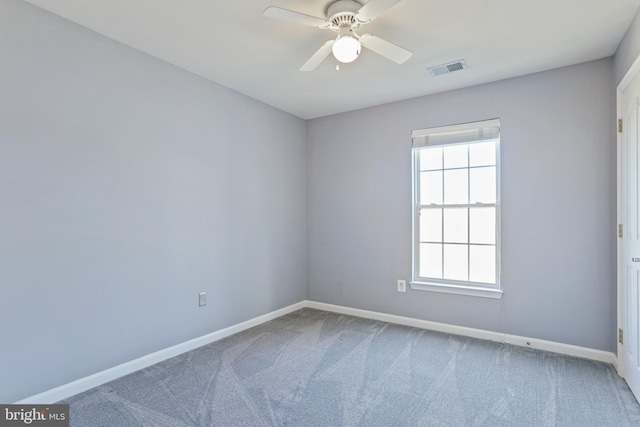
(620, 264)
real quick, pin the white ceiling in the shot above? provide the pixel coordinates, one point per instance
(232, 43)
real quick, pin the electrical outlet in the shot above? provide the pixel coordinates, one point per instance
(202, 299)
(402, 286)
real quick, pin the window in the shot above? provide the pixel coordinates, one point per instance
(456, 209)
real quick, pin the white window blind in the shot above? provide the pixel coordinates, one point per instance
(457, 134)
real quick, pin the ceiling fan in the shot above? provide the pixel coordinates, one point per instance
(345, 17)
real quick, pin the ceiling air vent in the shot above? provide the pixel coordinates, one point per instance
(448, 68)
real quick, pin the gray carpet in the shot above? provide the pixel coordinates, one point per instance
(313, 368)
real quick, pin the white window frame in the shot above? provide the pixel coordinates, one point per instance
(466, 133)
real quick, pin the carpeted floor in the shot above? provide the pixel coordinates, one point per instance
(313, 368)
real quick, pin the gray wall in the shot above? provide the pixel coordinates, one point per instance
(558, 206)
(127, 186)
(628, 50)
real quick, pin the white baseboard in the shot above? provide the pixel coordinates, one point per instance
(86, 383)
(556, 347)
(83, 384)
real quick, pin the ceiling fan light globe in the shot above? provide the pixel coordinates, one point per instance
(346, 49)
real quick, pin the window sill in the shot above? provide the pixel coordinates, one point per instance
(457, 289)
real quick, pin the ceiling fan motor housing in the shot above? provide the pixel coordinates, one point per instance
(342, 13)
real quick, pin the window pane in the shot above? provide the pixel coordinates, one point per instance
(482, 223)
(455, 229)
(482, 154)
(482, 264)
(430, 158)
(431, 187)
(431, 260)
(456, 156)
(456, 187)
(483, 185)
(431, 225)
(456, 225)
(456, 266)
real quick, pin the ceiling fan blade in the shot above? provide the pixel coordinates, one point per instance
(318, 57)
(373, 9)
(290, 15)
(385, 48)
